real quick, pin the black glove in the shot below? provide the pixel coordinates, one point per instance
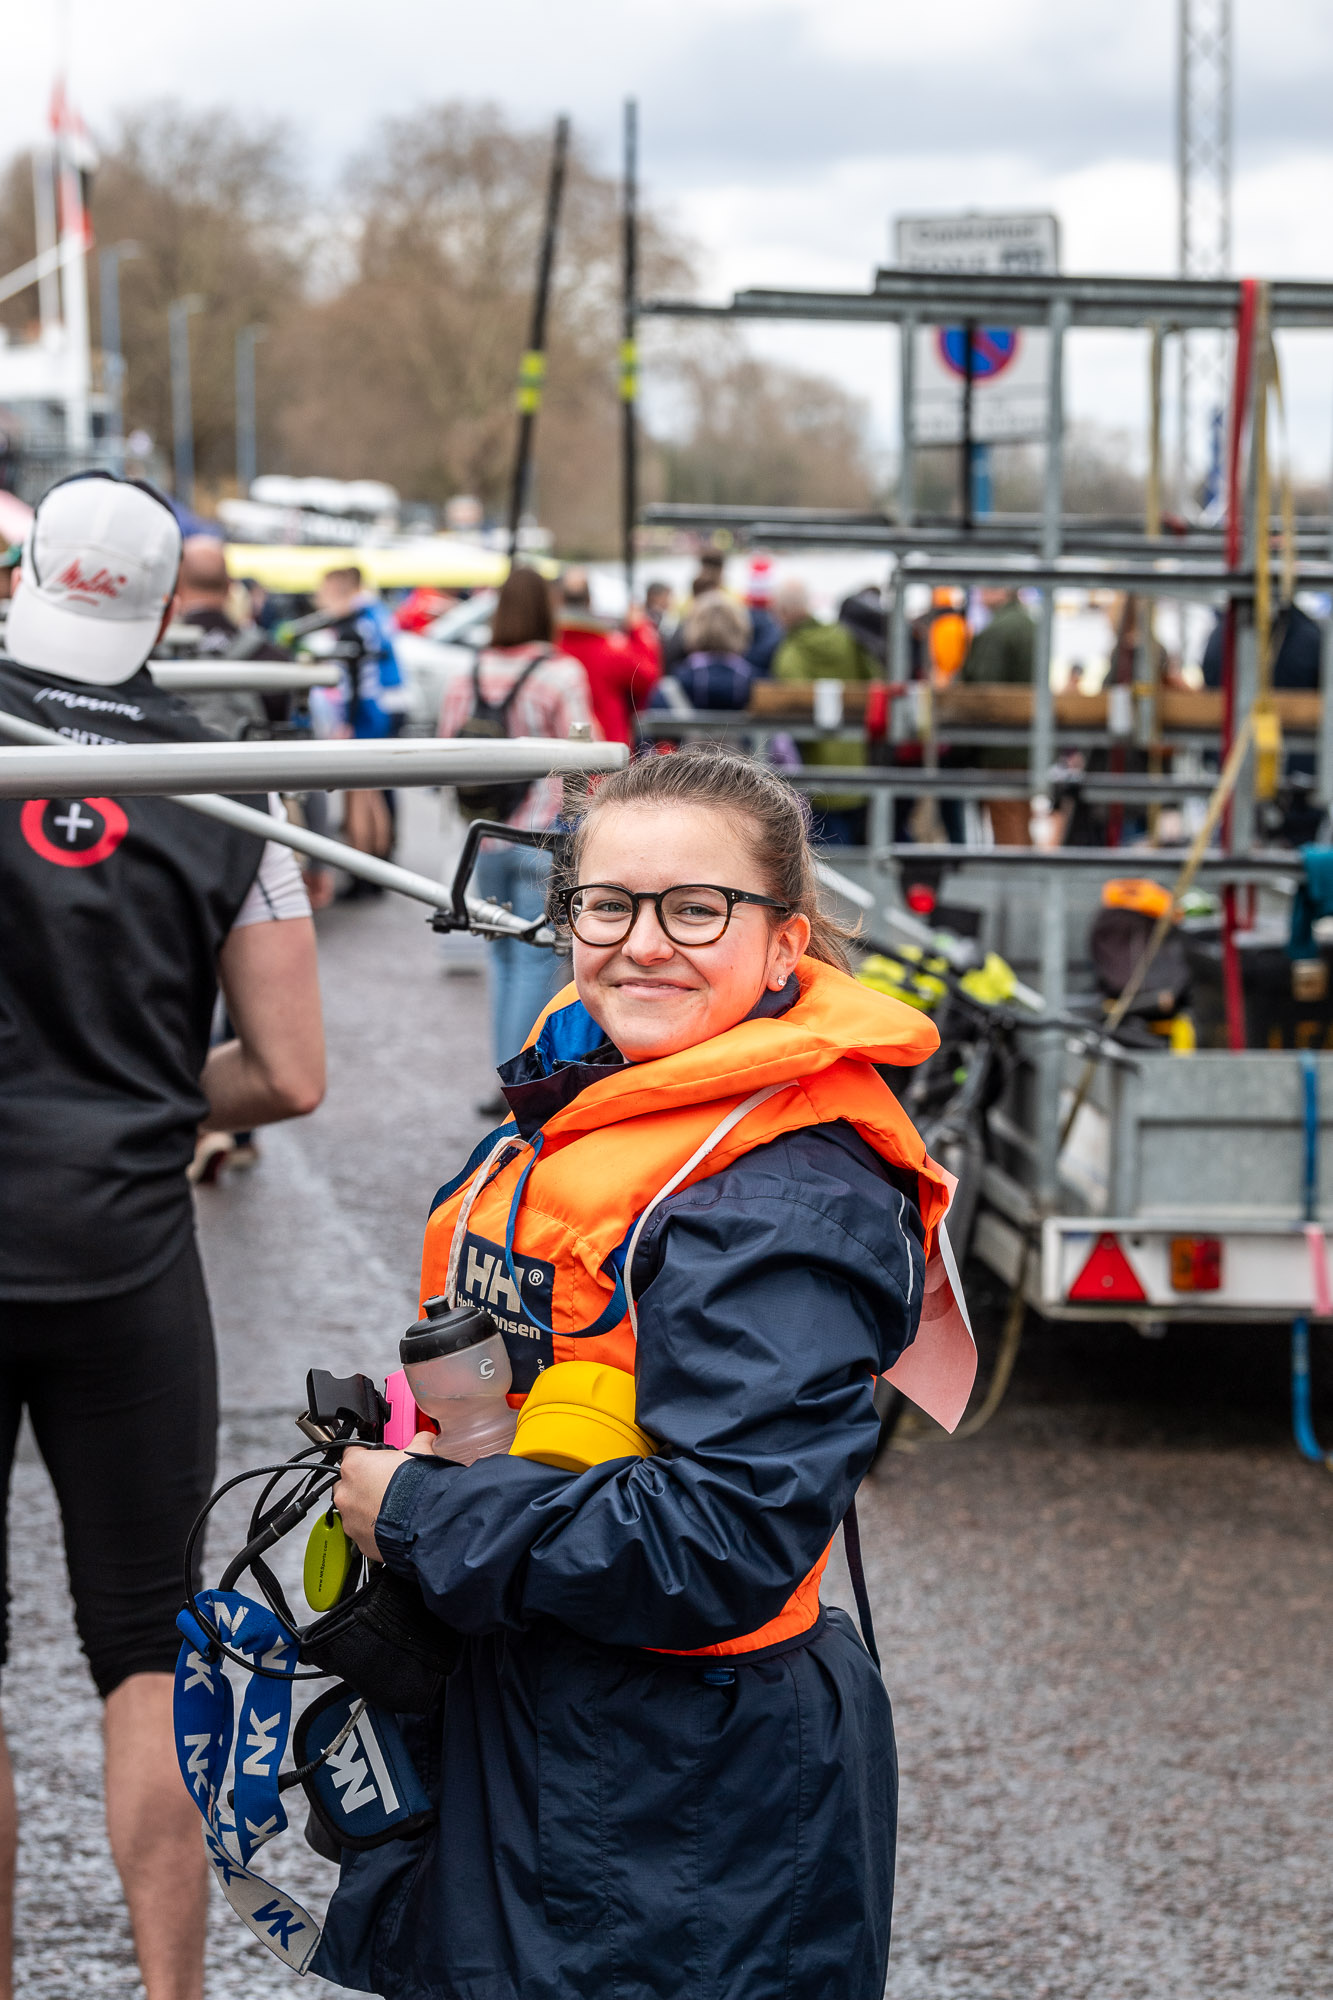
(385, 1643)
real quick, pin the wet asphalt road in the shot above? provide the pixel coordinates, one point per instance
(1105, 1621)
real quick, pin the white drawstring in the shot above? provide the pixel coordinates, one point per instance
(460, 1225)
(719, 1132)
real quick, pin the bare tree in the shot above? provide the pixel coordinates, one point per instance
(417, 352)
(753, 430)
(18, 241)
(217, 208)
(397, 317)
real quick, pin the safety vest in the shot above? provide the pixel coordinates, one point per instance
(541, 1232)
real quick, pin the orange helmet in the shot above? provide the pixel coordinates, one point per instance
(1136, 892)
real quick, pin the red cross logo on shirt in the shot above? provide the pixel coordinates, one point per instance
(74, 833)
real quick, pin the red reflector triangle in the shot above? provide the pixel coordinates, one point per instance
(1108, 1277)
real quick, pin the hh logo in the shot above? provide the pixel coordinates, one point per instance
(522, 1311)
(74, 833)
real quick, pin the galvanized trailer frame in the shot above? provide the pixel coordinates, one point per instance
(1206, 1145)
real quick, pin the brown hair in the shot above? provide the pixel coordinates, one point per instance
(523, 610)
(775, 819)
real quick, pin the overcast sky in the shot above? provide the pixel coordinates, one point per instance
(783, 135)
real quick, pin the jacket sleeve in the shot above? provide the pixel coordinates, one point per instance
(767, 1310)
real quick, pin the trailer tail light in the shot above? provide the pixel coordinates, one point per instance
(1108, 1278)
(1196, 1263)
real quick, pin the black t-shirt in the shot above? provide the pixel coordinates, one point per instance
(112, 913)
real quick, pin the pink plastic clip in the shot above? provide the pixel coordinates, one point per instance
(405, 1419)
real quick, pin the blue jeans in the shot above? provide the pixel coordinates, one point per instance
(523, 976)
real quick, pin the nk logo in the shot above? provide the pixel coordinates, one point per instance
(74, 833)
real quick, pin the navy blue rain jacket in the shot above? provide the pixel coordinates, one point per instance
(616, 1824)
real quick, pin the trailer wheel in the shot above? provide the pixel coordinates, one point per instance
(965, 1159)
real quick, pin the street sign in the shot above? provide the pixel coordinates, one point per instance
(991, 245)
(1008, 363)
(993, 348)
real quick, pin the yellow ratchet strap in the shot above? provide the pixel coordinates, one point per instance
(531, 375)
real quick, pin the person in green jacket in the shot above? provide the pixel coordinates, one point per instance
(812, 651)
(1004, 650)
(1005, 647)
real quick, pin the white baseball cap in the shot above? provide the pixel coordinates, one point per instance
(99, 570)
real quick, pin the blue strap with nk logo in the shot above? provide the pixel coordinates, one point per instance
(206, 1737)
(364, 1789)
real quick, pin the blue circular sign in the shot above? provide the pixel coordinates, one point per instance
(993, 348)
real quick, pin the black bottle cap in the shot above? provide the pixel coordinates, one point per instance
(445, 1330)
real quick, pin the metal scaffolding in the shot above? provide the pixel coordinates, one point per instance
(52, 767)
(121, 770)
(1061, 303)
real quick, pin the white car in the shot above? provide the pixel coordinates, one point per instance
(428, 658)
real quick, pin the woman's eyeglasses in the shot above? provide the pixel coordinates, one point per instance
(602, 913)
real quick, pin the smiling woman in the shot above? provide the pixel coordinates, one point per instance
(663, 1766)
(676, 960)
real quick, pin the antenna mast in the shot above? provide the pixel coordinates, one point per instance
(1203, 160)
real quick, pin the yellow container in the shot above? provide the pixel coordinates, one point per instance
(578, 1414)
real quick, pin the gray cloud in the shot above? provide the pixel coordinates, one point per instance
(767, 103)
(728, 96)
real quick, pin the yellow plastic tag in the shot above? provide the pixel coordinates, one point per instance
(1267, 752)
(329, 1556)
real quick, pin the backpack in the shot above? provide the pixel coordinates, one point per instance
(489, 722)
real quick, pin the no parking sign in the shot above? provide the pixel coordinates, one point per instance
(1008, 363)
(993, 350)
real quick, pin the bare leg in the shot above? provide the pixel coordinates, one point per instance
(155, 1839)
(9, 1830)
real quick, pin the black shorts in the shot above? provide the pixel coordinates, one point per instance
(122, 1394)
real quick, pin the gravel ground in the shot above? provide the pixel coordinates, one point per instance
(1104, 1621)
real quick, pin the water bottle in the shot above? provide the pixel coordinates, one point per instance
(458, 1370)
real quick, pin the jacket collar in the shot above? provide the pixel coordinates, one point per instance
(539, 1081)
(571, 1079)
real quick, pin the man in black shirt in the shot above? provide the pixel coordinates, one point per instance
(118, 921)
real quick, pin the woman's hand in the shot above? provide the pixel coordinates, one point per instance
(360, 1491)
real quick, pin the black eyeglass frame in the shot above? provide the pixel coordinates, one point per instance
(562, 899)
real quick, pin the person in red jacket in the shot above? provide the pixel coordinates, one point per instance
(623, 667)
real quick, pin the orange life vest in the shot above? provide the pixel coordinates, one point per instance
(550, 1220)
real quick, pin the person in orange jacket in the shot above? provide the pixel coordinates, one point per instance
(662, 1764)
(623, 667)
